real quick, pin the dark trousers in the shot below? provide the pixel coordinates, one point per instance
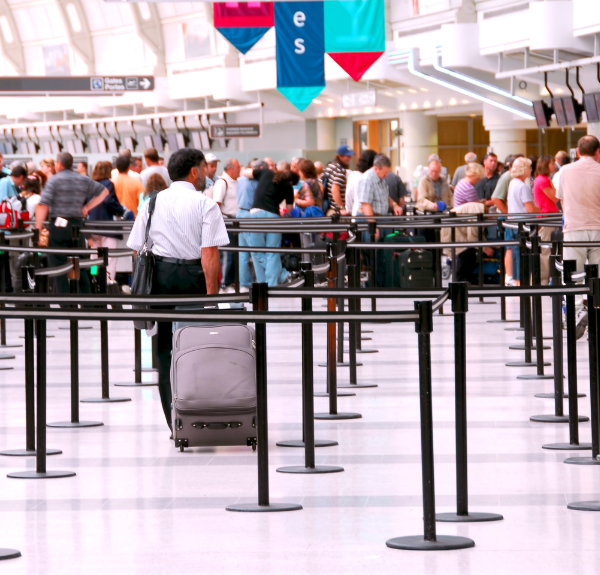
(62, 238)
(172, 279)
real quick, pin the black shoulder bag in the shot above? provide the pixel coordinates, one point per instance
(141, 281)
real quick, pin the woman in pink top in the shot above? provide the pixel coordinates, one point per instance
(544, 194)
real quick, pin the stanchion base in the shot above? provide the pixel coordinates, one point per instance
(9, 554)
(6, 368)
(363, 351)
(105, 400)
(534, 338)
(300, 443)
(474, 517)
(524, 364)
(325, 394)
(504, 321)
(70, 424)
(535, 376)
(28, 452)
(36, 475)
(418, 543)
(551, 396)
(80, 327)
(514, 328)
(147, 369)
(477, 302)
(550, 418)
(522, 347)
(344, 364)
(361, 339)
(256, 508)
(143, 384)
(47, 336)
(366, 331)
(581, 461)
(310, 470)
(338, 415)
(584, 506)
(7, 345)
(566, 446)
(5, 356)
(356, 385)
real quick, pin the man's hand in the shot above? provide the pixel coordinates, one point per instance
(489, 252)
(84, 212)
(210, 266)
(397, 209)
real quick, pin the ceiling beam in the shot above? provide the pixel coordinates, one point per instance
(149, 30)
(80, 41)
(12, 51)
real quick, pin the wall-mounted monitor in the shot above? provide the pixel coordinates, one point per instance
(542, 113)
(177, 141)
(200, 140)
(113, 145)
(155, 142)
(573, 110)
(130, 143)
(559, 111)
(591, 107)
(98, 146)
(75, 147)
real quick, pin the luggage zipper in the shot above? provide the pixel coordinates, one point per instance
(220, 411)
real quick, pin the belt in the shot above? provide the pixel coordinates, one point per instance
(176, 261)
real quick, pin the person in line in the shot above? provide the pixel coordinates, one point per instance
(433, 188)
(310, 192)
(65, 203)
(335, 172)
(47, 167)
(520, 201)
(319, 167)
(459, 174)
(499, 197)
(137, 166)
(397, 189)
(225, 194)
(579, 193)
(9, 187)
(373, 193)
(211, 172)
(152, 159)
(246, 189)
(131, 173)
(486, 186)
(464, 190)
(82, 168)
(32, 188)
(186, 232)
(106, 211)
(127, 188)
(544, 195)
(294, 167)
(155, 183)
(364, 163)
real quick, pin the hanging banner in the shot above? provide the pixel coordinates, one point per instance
(355, 34)
(243, 23)
(300, 51)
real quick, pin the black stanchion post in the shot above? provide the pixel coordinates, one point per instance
(480, 258)
(372, 233)
(74, 276)
(453, 250)
(3, 271)
(40, 456)
(557, 346)
(29, 451)
(259, 298)
(236, 258)
(308, 406)
(307, 371)
(594, 284)
(104, 360)
(331, 350)
(430, 540)
(568, 270)
(460, 306)
(137, 341)
(341, 265)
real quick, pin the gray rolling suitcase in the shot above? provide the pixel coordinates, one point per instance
(213, 379)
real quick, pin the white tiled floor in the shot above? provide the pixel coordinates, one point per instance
(138, 505)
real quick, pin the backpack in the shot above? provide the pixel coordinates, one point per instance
(10, 213)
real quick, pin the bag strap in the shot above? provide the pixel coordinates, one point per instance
(151, 206)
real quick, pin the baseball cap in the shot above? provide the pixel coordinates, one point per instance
(344, 151)
(210, 158)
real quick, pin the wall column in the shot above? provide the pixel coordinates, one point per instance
(506, 142)
(326, 134)
(418, 141)
(593, 129)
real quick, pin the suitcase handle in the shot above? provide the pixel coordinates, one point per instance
(217, 425)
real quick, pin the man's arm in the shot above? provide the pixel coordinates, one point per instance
(41, 214)
(96, 201)
(396, 208)
(500, 205)
(210, 266)
(336, 192)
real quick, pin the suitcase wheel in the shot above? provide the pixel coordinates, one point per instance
(251, 441)
(181, 443)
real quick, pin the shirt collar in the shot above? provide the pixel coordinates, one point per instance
(184, 185)
(227, 177)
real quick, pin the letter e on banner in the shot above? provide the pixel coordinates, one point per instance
(299, 19)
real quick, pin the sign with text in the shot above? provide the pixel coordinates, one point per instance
(75, 84)
(235, 131)
(355, 99)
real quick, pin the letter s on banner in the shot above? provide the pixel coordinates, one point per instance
(299, 43)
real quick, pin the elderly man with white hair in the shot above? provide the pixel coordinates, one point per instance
(433, 188)
(470, 157)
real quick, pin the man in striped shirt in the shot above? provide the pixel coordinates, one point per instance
(335, 173)
(186, 231)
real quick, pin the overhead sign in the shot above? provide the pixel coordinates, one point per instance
(355, 99)
(235, 131)
(75, 84)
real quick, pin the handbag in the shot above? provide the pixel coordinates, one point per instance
(143, 272)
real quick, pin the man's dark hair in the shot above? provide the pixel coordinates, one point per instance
(84, 162)
(19, 172)
(588, 145)
(122, 164)
(182, 162)
(151, 154)
(488, 155)
(66, 160)
(135, 160)
(366, 160)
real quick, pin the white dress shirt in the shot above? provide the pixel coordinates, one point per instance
(224, 191)
(183, 223)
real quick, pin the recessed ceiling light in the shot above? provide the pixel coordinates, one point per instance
(330, 112)
(452, 102)
(560, 91)
(330, 100)
(343, 113)
(466, 102)
(400, 92)
(315, 101)
(413, 106)
(424, 89)
(388, 94)
(473, 115)
(439, 103)
(427, 104)
(402, 107)
(368, 110)
(412, 91)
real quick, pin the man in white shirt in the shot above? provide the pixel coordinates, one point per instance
(152, 159)
(186, 231)
(132, 174)
(224, 192)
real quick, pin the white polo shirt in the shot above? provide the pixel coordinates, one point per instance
(225, 192)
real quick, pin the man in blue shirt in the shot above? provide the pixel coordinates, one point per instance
(9, 185)
(245, 198)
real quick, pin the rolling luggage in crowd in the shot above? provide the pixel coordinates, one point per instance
(213, 380)
(416, 269)
(391, 264)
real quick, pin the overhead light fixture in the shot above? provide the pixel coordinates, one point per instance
(427, 104)
(413, 106)
(368, 110)
(560, 91)
(330, 100)
(412, 91)
(452, 101)
(344, 113)
(388, 93)
(400, 92)
(402, 107)
(424, 89)
(466, 101)
(330, 112)
(439, 103)
(315, 101)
